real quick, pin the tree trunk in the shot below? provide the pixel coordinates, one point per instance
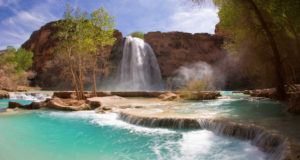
(94, 82)
(73, 77)
(81, 79)
(75, 83)
(281, 94)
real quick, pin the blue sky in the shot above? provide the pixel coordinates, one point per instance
(19, 18)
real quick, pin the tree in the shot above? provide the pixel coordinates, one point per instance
(257, 29)
(102, 27)
(82, 42)
(72, 45)
(14, 65)
(21, 59)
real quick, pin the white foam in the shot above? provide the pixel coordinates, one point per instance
(36, 97)
(109, 119)
(205, 144)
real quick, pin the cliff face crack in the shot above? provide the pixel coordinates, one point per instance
(277, 147)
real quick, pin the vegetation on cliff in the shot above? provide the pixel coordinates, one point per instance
(81, 44)
(13, 68)
(137, 34)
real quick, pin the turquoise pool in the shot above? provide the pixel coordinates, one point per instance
(53, 135)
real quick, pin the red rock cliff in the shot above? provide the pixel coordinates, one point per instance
(174, 49)
(41, 43)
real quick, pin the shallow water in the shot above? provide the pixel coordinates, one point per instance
(87, 135)
(235, 106)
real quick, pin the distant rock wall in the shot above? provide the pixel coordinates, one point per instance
(173, 49)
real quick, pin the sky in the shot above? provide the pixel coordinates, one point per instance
(19, 18)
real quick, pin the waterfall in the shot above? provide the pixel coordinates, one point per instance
(138, 69)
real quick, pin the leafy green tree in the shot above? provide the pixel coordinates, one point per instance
(81, 44)
(14, 65)
(102, 31)
(71, 45)
(21, 59)
(137, 34)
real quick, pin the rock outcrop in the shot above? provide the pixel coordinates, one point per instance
(41, 43)
(174, 49)
(15, 105)
(4, 94)
(58, 104)
(169, 96)
(69, 105)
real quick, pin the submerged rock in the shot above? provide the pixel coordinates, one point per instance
(15, 105)
(33, 105)
(169, 96)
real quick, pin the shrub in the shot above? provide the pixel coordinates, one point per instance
(192, 90)
(138, 35)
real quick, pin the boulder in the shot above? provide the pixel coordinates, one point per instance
(169, 96)
(294, 103)
(66, 95)
(67, 104)
(205, 95)
(93, 104)
(268, 93)
(34, 105)
(12, 104)
(246, 92)
(4, 94)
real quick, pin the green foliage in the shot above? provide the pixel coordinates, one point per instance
(137, 34)
(20, 59)
(103, 27)
(248, 37)
(192, 90)
(13, 68)
(82, 38)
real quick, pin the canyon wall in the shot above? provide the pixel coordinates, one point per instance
(173, 49)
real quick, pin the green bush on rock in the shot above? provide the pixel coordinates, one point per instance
(138, 35)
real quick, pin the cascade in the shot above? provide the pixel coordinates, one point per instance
(276, 146)
(37, 97)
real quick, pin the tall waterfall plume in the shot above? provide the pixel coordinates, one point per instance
(138, 69)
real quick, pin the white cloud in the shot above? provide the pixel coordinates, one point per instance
(17, 28)
(194, 20)
(5, 3)
(131, 15)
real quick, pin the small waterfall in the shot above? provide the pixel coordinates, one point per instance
(276, 146)
(36, 97)
(138, 69)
